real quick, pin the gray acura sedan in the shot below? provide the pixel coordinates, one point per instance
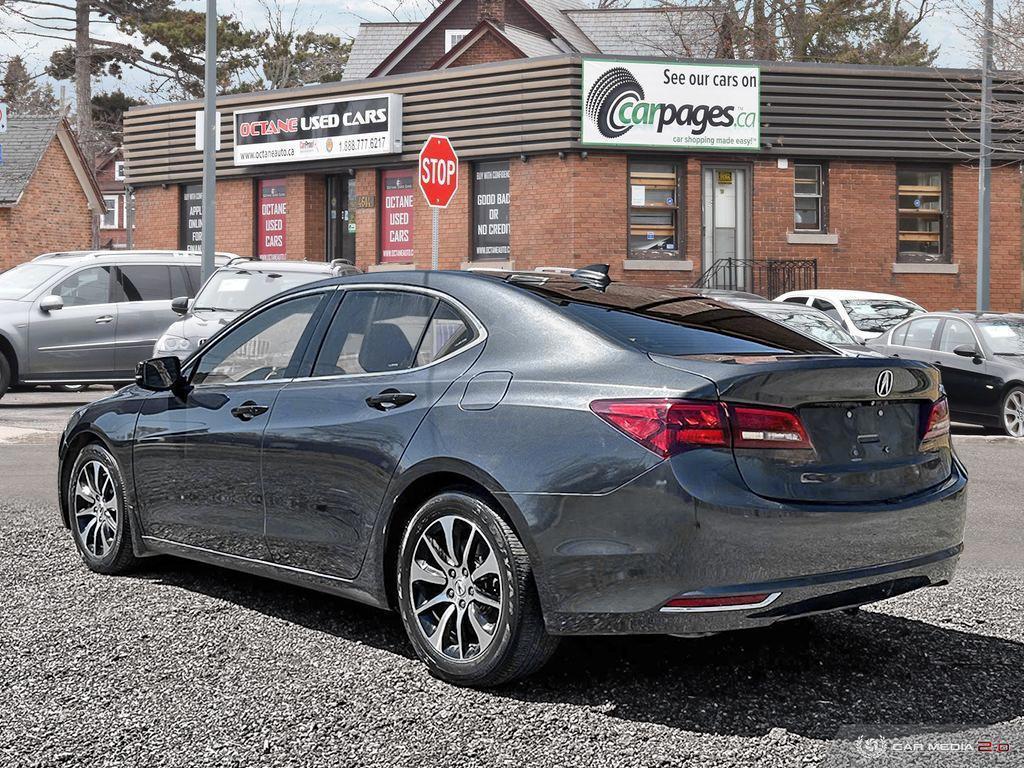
(507, 458)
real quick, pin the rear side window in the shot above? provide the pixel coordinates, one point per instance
(899, 336)
(144, 282)
(446, 333)
(375, 332)
(921, 333)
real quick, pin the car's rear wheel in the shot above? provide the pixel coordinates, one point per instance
(1013, 412)
(466, 594)
(97, 511)
(5, 375)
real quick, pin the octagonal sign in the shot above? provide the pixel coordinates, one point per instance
(439, 171)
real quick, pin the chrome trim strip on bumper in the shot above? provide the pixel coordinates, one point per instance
(715, 608)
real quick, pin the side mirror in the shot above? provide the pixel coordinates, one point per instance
(180, 305)
(966, 350)
(51, 303)
(161, 374)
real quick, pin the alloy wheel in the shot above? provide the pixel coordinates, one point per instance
(95, 508)
(1013, 413)
(456, 590)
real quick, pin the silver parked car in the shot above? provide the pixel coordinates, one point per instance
(237, 286)
(87, 317)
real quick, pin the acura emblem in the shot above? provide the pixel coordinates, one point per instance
(883, 384)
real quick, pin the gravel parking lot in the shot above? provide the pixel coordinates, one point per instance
(186, 665)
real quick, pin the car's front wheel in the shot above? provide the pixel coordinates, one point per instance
(5, 375)
(1013, 412)
(97, 511)
(466, 594)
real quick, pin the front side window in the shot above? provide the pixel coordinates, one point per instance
(956, 333)
(653, 210)
(90, 286)
(262, 348)
(375, 332)
(110, 219)
(144, 282)
(808, 185)
(921, 213)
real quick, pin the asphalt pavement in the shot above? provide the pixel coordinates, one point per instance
(186, 665)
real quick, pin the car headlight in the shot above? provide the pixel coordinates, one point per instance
(172, 345)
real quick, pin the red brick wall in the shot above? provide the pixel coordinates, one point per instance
(53, 213)
(306, 220)
(366, 218)
(488, 48)
(156, 216)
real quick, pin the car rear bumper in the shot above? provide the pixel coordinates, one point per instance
(690, 528)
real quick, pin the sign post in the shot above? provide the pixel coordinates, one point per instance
(3, 117)
(439, 181)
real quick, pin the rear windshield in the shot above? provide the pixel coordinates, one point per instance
(19, 282)
(666, 322)
(236, 290)
(816, 326)
(878, 315)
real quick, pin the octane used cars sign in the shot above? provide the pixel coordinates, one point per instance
(691, 106)
(319, 130)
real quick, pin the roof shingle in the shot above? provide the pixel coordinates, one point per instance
(23, 146)
(373, 43)
(663, 32)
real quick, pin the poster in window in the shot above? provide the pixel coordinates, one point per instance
(271, 244)
(190, 218)
(396, 213)
(491, 211)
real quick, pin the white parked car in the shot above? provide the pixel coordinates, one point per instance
(863, 314)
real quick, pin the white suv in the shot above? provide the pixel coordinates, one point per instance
(863, 314)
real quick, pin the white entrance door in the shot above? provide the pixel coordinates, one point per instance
(726, 223)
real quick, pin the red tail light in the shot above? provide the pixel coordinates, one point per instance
(767, 428)
(936, 424)
(667, 426)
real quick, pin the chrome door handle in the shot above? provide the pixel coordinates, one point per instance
(102, 319)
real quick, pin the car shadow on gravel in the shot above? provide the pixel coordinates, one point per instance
(809, 676)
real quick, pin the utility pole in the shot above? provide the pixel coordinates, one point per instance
(210, 129)
(985, 164)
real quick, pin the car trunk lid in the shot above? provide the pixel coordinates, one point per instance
(864, 419)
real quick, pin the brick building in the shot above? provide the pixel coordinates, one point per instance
(48, 194)
(579, 143)
(113, 224)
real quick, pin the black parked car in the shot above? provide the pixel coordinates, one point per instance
(981, 357)
(505, 458)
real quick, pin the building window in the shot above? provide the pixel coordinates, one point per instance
(921, 213)
(808, 197)
(654, 210)
(491, 211)
(119, 170)
(396, 215)
(110, 218)
(453, 36)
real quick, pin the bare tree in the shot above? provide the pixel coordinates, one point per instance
(294, 53)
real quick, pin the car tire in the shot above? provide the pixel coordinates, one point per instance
(485, 606)
(5, 375)
(69, 387)
(1012, 412)
(98, 511)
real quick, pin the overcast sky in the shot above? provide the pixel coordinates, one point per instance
(343, 18)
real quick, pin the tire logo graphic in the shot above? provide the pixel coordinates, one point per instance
(606, 95)
(883, 384)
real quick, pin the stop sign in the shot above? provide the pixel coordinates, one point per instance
(439, 171)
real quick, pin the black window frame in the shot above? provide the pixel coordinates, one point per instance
(946, 211)
(679, 208)
(822, 197)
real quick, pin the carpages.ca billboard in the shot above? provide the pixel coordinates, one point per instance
(684, 106)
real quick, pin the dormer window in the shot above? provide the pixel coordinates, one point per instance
(119, 170)
(453, 36)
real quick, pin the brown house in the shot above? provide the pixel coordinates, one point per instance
(582, 140)
(113, 232)
(48, 193)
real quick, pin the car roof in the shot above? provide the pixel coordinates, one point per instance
(773, 306)
(118, 256)
(838, 293)
(972, 314)
(288, 265)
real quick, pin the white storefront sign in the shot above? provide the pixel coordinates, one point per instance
(680, 106)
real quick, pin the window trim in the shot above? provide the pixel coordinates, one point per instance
(119, 170)
(680, 209)
(471, 321)
(116, 211)
(822, 198)
(946, 211)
